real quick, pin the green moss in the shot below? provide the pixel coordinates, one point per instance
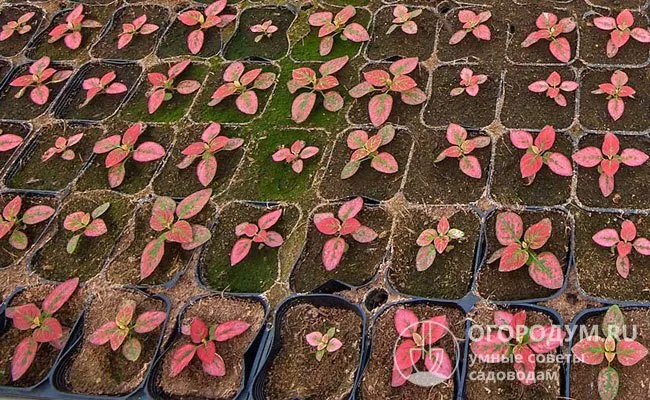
(356, 3)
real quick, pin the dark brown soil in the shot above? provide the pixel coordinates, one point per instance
(17, 42)
(450, 276)
(375, 383)
(193, 383)
(295, 373)
(16, 129)
(518, 285)
(5, 67)
(359, 263)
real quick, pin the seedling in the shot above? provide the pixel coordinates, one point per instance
(209, 18)
(461, 149)
(13, 225)
(381, 105)
(40, 75)
(323, 343)
(96, 86)
(255, 233)
(516, 341)
(9, 141)
(44, 327)
(469, 83)
(474, 23)
(553, 86)
(87, 224)
(544, 268)
(404, 20)
(435, 241)
(616, 91)
(367, 148)
(342, 225)
(550, 29)
(621, 31)
(538, 154)
(211, 143)
(609, 161)
(593, 350)
(139, 26)
(19, 26)
(163, 85)
(121, 331)
(70, 32)
(331, 26)
(295, 155)
(174, 229)
(266, 29)
(204, 340)
(121, 148)
(62, 145)
(242, 84)
(305, 78)
(416, 342)
(622, 245)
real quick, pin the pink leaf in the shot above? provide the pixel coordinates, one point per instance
(633, 157)
(546, 271)
(509, 228)
(492, 347)
(206, 170)
(513, 258)
(247, 102)
(302, 106)
(195, 41)
(590, 350)
(559, 164)
(229, 330)
(23, 357)
(333, 252)
(148, 151)
(59, 295)
(470, 166)
(630, 352)
(240, 250)
(606, 238)
(538, 234)
(561, 49)
(151, 257)
(193, 204)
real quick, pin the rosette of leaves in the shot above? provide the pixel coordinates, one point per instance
(163, 85)
(265, 30)
(209, 18)
(623, 244)
(13, 223)
(295, 155)
(550, 29)
(323, 343)
(62, 145)
(435, 241)
(616, 90)
(243, 84)
(472, 23)
(95, 86)
(622, 30)
(461, 149)
(86, 224)
(332, 25)
(70, 31)
(40, 76)
(367, 148)
(538, 154)
(403, 19)
(130, 30)
(19, 26)
(260, 233)
(553, 86)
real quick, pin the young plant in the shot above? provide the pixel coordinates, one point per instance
(550, 29)
(469, 83)
(40, 75)
(96, 86)
(87, 224)
(593, 350)
(121, 331)
(553, 86)
(41, 322)
(121, 148)
(255, 233)
(266, 29)
(209, 18)
(211, 143)
(416, 342)
(621, 31)
(474, 23)
(62, 145)
(204, 340)
(381, 104)
(19, 26)
(367, 148)
(432, 241)
(163, 85)
(170, 220)
(616, 91)
(295, 155)
(404, 20)
(342, 225)
(516, 341)
(622, 245)
(331, 26)
(12, 224)
(538, 154)
(323, 343)
(544, 268)
(609, 161)
(305, 78)
(70, 32)
(139, 26)
(9, 141)
(242, 84)
(461, 149)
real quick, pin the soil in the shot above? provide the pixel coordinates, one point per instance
(96, 369)
(367, 182)
(295, 373)
(375, 383)
(193, 383)
(359, 263)
(518, 285)
(450, 276)
(17, 42)
(5, 67)
(53, 261)
(259, 270)
(16, 129)
(618, 4)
